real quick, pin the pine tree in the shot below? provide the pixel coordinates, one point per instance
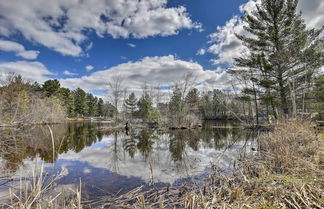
(100, 105)
(80, 102)
(277, 42)
(92, 104)
(146, 110)
(131, 103)
(51, 87)
(176, 103)
(66, 97)
(192, 99)
(144, 105)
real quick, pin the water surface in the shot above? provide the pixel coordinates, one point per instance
(111, 162)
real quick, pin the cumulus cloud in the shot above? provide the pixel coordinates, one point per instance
(68, 73)
(18, 49)
(89, 67)
(312, 12)
(62, 25)
(33, 71)
(163, 70)
(224, 44)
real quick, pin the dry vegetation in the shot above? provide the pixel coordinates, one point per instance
(39, 191)
(287, 172)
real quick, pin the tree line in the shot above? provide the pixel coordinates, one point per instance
(22, 102)
(77, 103)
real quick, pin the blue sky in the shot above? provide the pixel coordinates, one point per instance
(86, 43)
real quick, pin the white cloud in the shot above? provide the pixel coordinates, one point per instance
(68, 73)
(225, 45)
(89, 67)
(312, 12)
(201, 51)
(163, 70)
(131, 45)
(62, 25)
(10, 46)
(33, 71)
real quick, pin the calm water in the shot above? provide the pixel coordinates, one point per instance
(110, 162)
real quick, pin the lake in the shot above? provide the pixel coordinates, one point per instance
(114, 162)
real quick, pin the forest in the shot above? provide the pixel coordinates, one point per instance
(280, 75)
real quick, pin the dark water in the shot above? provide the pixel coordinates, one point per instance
(110, 162)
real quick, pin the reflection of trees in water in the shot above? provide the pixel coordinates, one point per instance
(80, 135)
(115, 151)
(19, 144)
(145, 142)
(16, 145)
(129, 143)
(178, 141)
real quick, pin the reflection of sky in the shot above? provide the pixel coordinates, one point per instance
(105, 167)
(102, 155)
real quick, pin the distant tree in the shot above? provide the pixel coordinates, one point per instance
(214, 105)
(193, 99)
(51, 87)
(131, 103)
(100, 105)
(80, 102)
(146, 111)
(319, 88)
(65, 95)
(35, 87)
(109, 110)
(116, 90)
(176, 103)
(92, 103)
(316, 95)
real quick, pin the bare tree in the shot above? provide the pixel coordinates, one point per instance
(116, 91)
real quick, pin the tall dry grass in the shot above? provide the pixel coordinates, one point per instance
(40, 191)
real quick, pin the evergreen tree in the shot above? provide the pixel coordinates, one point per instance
(316, 96)
(66, 97)
(146, 109)
(131, 103)
(35, 88)
(193, 99)
(278, 42)
(51, 87)
(80, 102)
(176, 103)
(91, 104)
(109, 110)
(100, 105)
(144, 105)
